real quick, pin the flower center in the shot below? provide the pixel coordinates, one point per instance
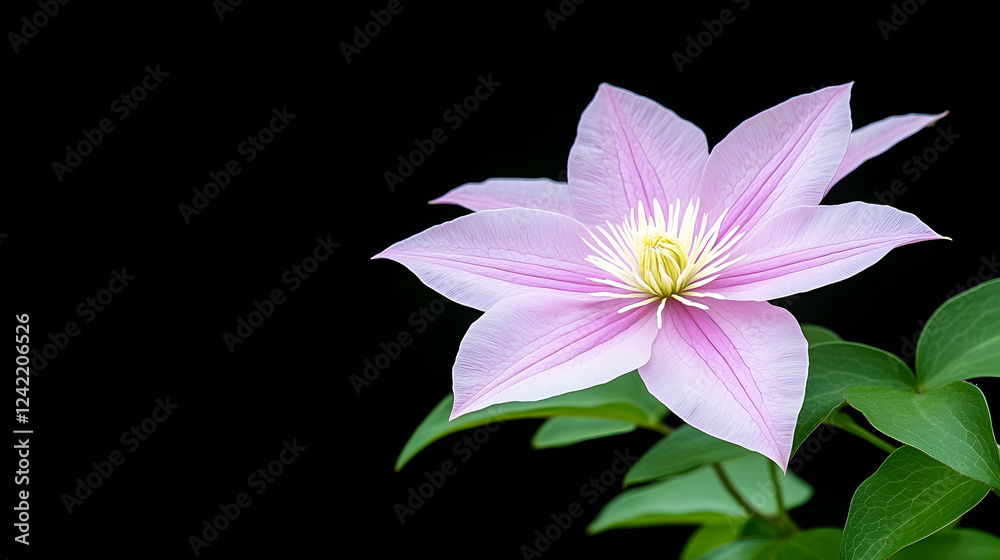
(661, 257)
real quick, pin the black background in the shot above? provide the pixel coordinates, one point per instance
(323, 177)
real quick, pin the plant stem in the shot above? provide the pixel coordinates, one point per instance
(848, 424)
(737, 496)
(782, 512)
(871, 438)
(658, 427)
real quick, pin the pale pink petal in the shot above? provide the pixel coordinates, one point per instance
(481, 258)
(736, 371)
(492, 194)
(535, 346)
(871, 140)
(630, 149)
(807, 247)
(780, 158)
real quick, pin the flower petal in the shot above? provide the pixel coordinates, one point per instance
(783, 157)
(478, 259)
(536, 346)
(877, 137)
(807, 247)
(543, 194)
(736, 371)
(630, 149)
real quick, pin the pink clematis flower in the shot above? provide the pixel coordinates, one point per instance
(660, 256)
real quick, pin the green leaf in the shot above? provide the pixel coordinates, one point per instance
(815, 544)
(758, 527)
(952, 525)
(686, 449)
(708, 537)
(961, 340)
(834, 366)
(560, 431)
(743, 549)
(967, 544)
(623, 398)
(951, 424)
(908, 498)
(816, 334)
(699, 497)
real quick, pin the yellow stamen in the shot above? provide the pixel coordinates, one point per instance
(660, 257)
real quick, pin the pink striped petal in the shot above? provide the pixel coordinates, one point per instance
(536, 346)
(630, 149)
(807, 247)
(870, 141)
(481, 258)
(783, 157)
(543, 194)
(737, 372)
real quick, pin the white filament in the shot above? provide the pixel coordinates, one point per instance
(660, 257)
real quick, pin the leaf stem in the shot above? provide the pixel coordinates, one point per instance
(737, 496)
(848, 424)
(782, 512)
(658, 427)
